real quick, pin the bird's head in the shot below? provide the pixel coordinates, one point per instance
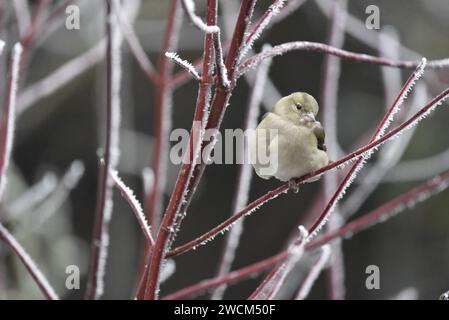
(298, 106)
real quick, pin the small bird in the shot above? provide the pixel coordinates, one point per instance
(291, 138)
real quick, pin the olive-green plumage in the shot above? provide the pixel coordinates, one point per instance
(298, 142)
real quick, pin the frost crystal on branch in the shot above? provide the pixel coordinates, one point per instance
(189, 8)
(184, 64)
(129, 195)
(379, 133)
(272, 11)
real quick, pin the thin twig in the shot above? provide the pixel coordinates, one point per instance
(9, 114)
(244, 177)
(103, 215)
(134, 44)
(314, 272)
(162, 117)
(256, 204)
(135, 205)
(178, 202)
(271, 285)
(323, 48)
(29, 264)
(184, 64)
(329, 99)
(189, 8)
(359, 163)
(378, 215)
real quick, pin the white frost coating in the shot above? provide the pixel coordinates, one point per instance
(315, 271)
(248, 213)
(416, 76)
(10, 113)
(275, 281)
(167, 270)
(184, 64)
(388, 158)
(272, 11)
(31, 266)
(365, 156)
(116, 73)
(129, 195)
(132, 39)
(245, 176)
(189, 7)
(221, 67)
(439, 185)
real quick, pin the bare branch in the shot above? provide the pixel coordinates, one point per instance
(244, 177)
(135, 205)
(315, 271)
(359, 163)
(189, 8)
(323, 48)
(29, 264)
(111, 156)
(9, 114)
(184, 64)
(134, 43)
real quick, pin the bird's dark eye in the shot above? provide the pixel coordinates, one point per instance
(298, 106)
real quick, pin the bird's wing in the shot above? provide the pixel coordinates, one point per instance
(320, 135)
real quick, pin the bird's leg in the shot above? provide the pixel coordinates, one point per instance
(293, 185)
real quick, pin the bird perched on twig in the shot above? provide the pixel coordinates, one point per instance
(291, 138)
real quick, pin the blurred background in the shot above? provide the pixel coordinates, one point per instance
(411, 250)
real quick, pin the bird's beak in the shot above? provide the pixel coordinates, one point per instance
(310, 115)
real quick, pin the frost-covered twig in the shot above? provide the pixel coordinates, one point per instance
(190, 173)
(244, 177)
(357, 29)
(184, 64)
(111, 152)
(388, 158)
(29, 264)
(134, 43)
(323, 48)
(9, 114)
(363, 151)
(271, 285)
(359, 163)
(273, 10)
(162, 117)
(378, 215)
(329, 99)
(381, 214)
(222, 70)
(189, 8)
(313, 274)
(135, 205)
